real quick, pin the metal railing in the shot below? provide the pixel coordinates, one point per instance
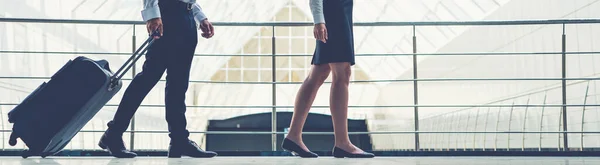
(415, 79)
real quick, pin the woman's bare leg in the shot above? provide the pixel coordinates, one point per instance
(304, 100)
(339, 106)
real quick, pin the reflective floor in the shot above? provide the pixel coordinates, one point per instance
(290, 161)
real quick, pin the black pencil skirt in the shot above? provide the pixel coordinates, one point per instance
(340, 42)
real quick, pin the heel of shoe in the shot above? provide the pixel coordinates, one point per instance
(102, 145)
(338, 153)
(338, 156)
(174, 154)
(292, 147)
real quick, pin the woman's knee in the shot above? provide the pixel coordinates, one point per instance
(318, 74)
(341, 73)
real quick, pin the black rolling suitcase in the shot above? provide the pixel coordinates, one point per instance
(57, 110)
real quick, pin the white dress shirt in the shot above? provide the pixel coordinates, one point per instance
(316, 6)
(151, 10)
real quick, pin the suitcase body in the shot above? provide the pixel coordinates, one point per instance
(58, 109)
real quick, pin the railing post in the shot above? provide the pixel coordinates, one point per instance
(274, 94)
(560, 123)
(587, 89)
(3, 134)
(416, 89)
(131, 135)
(564, 90)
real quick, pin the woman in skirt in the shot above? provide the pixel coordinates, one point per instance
(334, 53)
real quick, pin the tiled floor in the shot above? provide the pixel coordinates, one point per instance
(300, 161)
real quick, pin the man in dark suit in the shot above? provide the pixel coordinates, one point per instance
(173, 51)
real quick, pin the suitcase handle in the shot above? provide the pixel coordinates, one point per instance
(121, 72)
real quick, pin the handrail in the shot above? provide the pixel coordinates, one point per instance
(358, 106)
(420, 23)
(353, 81)
(308, 55)
(351, 133)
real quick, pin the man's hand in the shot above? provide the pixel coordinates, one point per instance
(207, 28)
(153, 25)
(320, 32)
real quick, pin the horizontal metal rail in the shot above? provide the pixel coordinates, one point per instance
(308, 55)
(373, 132)
(422, 23)
(357, 81)
(355, 106)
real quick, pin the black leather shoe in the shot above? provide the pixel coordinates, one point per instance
(115, 146)
(188, 148)
(290, 146)
(339, 153)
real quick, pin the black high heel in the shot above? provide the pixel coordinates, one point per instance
(339, 153)
(290, 146)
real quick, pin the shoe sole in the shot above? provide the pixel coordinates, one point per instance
(101, 145)
(179, 156)
(104, 147)
(296, 154)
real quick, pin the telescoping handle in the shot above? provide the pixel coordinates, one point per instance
(131, 61)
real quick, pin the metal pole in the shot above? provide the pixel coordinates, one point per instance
(587, 89)
(416, 89)
(3, 45)
(131, 135)
(564, 90)
(274, 94)
(560, 123)
(3, 136)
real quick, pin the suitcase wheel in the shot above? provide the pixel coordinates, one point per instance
(45, 154)
(25, 154)
(12, 141)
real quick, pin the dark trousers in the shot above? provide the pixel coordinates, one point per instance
(173, 52)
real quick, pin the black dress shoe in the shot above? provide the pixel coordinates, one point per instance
(115, 146)
(188, 148)
(339, 153)
(290, 146)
